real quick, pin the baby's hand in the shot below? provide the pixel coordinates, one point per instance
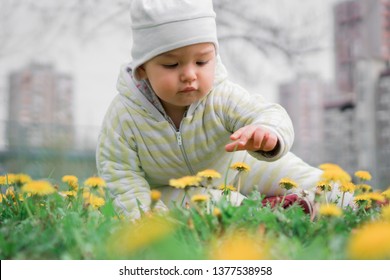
(252, 138)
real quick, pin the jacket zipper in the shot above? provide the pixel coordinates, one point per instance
(180, 143)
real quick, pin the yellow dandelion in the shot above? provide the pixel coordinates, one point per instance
(240, 166)
(327, 166)
(370, 242)
(8, 179)
(200, 198)
(374, 196)
(72, 181)
(361, 197)
(227, 188)
(155, 195)
(2, 180)
(336, 175)
(386, 193)
(40, 188)
(330, 210)
(184, 182)
(385, 213)
(324, 186)
(132, 237)
(344, 188)
(96, 191)
(86, 194)
(21, 198)
(22, 178)
(69, 194)
(347, 187)
(217, 212)
(363, 175)
(209, 174)
(95, 182)
(287, 183)
(364, 188)
(239, 246)
(94, 200)
(10, 192)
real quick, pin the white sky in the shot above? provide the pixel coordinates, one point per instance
(95, 67)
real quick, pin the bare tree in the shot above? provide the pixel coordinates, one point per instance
(30, 25)
(291, 36)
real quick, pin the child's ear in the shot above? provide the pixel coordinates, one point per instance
(141, 73)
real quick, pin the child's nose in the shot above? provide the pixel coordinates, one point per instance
(188, 74)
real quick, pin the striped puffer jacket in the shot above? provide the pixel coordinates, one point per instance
(139, 149)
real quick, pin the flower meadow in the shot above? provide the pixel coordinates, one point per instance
(75, 219)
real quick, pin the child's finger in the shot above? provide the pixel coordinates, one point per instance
(264, 141)
(244, 134)
(234, 146)
(237, 134)
(258, 138)
(269, 143)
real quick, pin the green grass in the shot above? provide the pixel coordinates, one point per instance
(58, 227)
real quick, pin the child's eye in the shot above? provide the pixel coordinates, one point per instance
(201, 63)
(170, 66)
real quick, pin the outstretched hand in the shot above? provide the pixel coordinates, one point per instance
(252, 138)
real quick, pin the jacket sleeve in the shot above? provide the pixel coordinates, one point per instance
(241, 108)
(118, 164)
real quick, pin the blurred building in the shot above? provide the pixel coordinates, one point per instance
(303, 100)
(383, 128)
(40, 108)
(339, 132)
(361, 31)
(362, 49)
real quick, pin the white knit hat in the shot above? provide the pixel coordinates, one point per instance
(160, 26)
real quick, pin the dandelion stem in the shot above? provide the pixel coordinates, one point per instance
(185, 194)
(238, 187)
(230, 163)
(284, 197)
(326, 197)
(28, 207)
(342, 200)
(364, 211)
(208, 201)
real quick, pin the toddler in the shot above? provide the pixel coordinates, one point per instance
(177, 113)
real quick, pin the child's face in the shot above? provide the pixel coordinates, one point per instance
(181, 76)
